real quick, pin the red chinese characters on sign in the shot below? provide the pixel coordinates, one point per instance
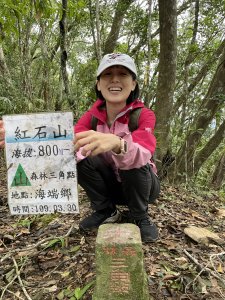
(119, 277)
(126, 251)
(110, 251)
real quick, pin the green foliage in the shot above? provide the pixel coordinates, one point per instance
(26, 222)
(78, 293)
(75, 294)
(54, 242)
(31, 80)
(6, 106)
(35, 220)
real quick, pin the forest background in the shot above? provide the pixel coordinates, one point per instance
(49, 52)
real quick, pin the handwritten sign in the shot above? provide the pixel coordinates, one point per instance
(41, 165)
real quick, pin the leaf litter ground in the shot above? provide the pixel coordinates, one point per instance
(46, 257)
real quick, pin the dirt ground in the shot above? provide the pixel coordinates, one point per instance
(46, 257)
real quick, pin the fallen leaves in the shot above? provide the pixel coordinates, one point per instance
(57, 262)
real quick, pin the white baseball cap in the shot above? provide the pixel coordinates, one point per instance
(114, 59)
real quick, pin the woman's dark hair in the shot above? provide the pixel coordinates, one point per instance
(133, 95)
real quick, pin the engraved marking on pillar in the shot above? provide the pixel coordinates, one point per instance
(119, 277)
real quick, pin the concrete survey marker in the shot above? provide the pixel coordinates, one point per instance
(119, 264)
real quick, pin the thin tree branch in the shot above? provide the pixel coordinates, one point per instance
(20, 280)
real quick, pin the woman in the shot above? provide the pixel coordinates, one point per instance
(115, 164)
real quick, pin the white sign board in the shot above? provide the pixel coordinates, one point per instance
(42, 176)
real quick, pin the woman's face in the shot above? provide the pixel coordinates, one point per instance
(116, 84)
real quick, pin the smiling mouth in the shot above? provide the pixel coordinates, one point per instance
(115, 89)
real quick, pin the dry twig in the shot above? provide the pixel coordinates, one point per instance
(14, 278)
(20, 280)
(6, 287)
(18, 271)
(202, 269)
(38, 243)
(15, 295)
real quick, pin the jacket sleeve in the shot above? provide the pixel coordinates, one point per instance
(144, 135)
(141, 143)
(84, 123)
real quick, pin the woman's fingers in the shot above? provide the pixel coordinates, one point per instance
(94, 143)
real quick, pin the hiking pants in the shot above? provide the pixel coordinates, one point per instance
(138, 187)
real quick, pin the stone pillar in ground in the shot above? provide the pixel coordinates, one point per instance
(120, 273)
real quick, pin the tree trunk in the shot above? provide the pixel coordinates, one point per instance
(63, 31)
(201, 74)
(167, 76)
(219, 173)
(98, 42)
(146, 86)
(213, 101)
(63, 58)
(92, 23)
(4, 69)
(121, 10)
(143, 40)
(44, 91)
(189, 59)
(208, 149)
(24, 36)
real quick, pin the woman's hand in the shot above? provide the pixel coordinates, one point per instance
(94, 143)
(2, 135)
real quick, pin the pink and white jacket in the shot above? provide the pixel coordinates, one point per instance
(141, 142)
